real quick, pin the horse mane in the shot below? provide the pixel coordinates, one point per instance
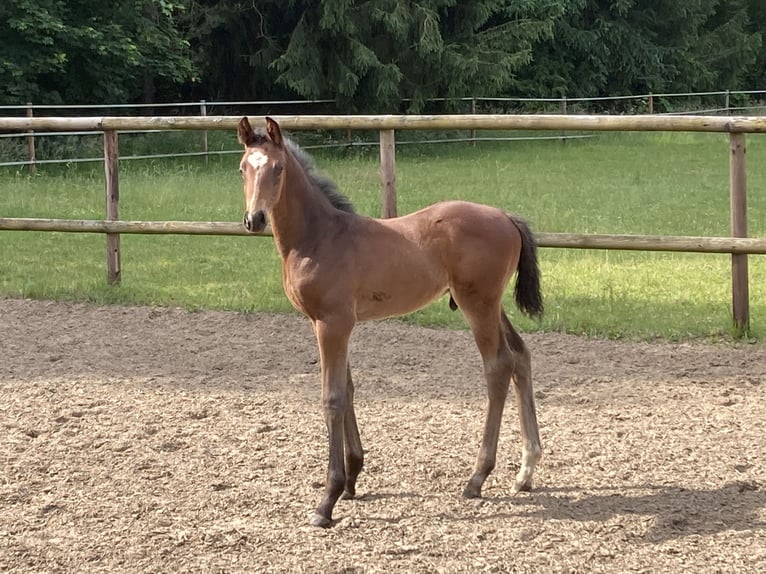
(319, 180)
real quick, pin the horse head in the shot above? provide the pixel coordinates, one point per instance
(262, 167)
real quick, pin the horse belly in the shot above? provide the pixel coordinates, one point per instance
(391, 297)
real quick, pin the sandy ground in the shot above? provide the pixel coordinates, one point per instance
(158, 440)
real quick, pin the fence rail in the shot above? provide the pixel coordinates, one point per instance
(649, 96)
(642, 123)
(693, 103)
(738, 245)
(625, 242)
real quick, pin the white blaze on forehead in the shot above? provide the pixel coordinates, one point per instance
(257, 159)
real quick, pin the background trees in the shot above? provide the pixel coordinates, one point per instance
(610, 47)
(373, 55)
(81, 51)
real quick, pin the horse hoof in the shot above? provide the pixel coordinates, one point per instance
(471, 492)
(473, 488)
(320, 521)
(347, 495)
(525, 486)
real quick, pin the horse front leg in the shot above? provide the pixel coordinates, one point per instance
(354, 451)
(332, 338)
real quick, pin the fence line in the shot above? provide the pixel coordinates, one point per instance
(204, 105)
(737, 126)
(207, 152)
(160, 105)
(213, 103)
(624, 242)
(468, 122)
(489, 122)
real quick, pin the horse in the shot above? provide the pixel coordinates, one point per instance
(339, 267)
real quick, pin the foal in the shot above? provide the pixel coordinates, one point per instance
(339, 268)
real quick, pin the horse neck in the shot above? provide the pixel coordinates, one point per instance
(302, 213)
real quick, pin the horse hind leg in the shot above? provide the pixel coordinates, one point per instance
(498, 369)
(525, 399)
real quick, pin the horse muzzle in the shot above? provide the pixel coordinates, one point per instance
(255, 222)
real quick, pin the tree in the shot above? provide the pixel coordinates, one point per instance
(611, 47)
(234, 44)
(87, 51)
(756, 76)
(372, 54)
(719, 53)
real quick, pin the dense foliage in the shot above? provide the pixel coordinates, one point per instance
(373, 55)
(80, 51)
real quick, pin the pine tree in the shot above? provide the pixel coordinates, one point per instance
(613, 47)
(372, 54)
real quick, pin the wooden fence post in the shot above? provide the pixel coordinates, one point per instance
(31, 143)
(112, 189)
(388, 173)
(473, 112)
(203, 113)
(564, 112)
(651, 103)
(738, 196)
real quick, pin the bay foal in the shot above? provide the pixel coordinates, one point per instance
(339, 268)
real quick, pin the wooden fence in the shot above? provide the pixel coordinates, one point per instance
(738, 245)
(720, 101)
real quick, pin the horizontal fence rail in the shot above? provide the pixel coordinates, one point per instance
(738, 245)
(137, 227)
(672, 243)
(625, 242)
(715, 103)
(643, 123)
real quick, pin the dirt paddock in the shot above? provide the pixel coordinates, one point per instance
(158, 440)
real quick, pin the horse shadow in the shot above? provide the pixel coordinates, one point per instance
(675, 512)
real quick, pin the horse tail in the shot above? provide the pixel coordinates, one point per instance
(527, 290)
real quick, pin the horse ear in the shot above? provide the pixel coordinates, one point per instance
(245, 133)
(272, 128)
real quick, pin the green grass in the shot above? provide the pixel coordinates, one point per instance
(674, 184)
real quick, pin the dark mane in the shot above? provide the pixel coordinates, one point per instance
(318, 179)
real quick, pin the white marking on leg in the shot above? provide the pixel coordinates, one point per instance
(530, 455)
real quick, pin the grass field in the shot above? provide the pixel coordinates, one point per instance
(675, 184)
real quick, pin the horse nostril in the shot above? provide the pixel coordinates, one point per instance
(254, 222)
(259, 220)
